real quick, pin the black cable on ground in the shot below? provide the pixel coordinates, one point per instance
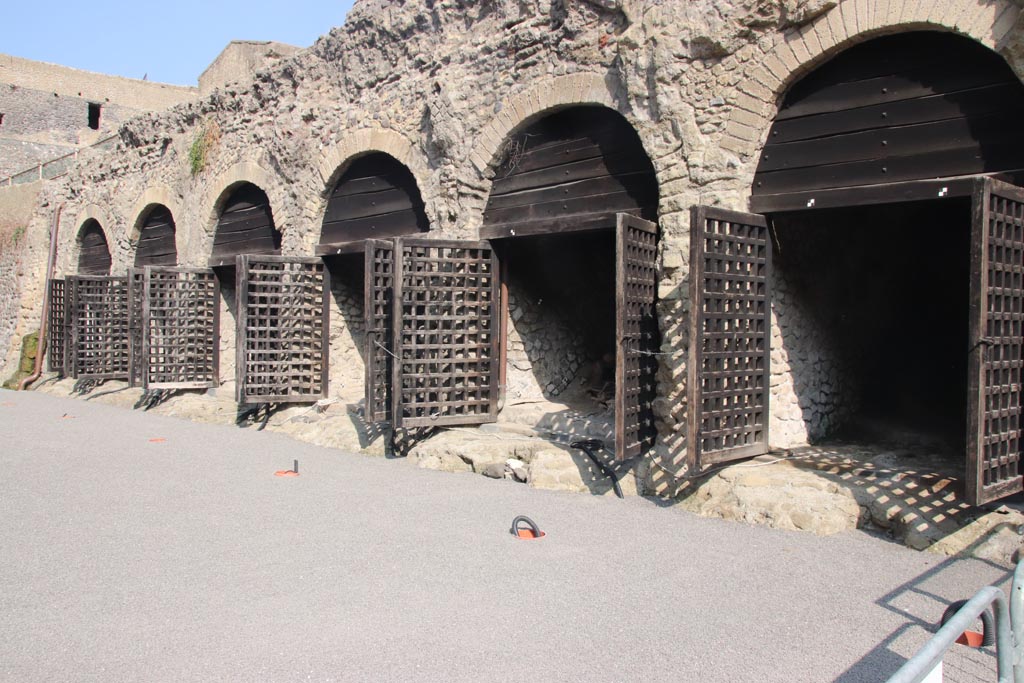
(588, 446)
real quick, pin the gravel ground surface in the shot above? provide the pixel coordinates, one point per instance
(141, 548)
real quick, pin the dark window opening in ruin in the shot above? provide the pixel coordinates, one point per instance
(872, 306)
(94, 115)
(1, 119)
(246, 226)
(156, 245)
(561, 336)
(375, 198)
(94, 254)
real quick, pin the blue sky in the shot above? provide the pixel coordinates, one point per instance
(171, 40)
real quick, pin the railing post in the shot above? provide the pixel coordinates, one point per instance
(1017, 622)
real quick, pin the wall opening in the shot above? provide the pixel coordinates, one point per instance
(558, 187)
(870, 325)
(245, 226)
(156, 245)
(375, 198)
(347, 332)
(94, 254)
(94, 115)
(561, 331)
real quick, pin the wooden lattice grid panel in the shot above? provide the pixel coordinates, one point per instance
(446, 333)
(637, 331)
(995, 470)
(101, 327)
(182, 328)
(731, 335)
(378, 290)
(136, 277)
(283, 329)
(57, 326)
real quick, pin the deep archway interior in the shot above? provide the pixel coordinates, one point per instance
(156, 239)
(375, 198)
(246, 225)
(571, 170)
(904, 107)
(94, 254)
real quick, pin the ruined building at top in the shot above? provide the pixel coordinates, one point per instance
(702, 229)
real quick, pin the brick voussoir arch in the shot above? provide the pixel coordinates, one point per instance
(335, 160)
(541, 98)
(246, 171)
(797, 52)
(152, 196)
(89, 212)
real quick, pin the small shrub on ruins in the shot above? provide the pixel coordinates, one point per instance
(202, 146)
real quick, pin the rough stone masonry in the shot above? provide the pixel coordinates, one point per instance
(441, 85)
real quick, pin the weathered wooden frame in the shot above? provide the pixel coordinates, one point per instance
(698, 458)
(180, 328)
(636, 334)
(990, 426)
(306, 389)
(409, 354)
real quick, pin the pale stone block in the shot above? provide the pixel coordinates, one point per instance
(976, 20)
(811, 37)
(774, 66)
(1004, 24)
(742, 132)
(836, 25)
(733, 144)
(757, 90)
(751, 104)
(797, 43)
(792, 63)
(746, 118)
(849, 12)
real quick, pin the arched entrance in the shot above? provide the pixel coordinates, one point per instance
(888, 223)
(245, 225)
(95, 307)
(570, 215)
(156, 245)
(93, 253)
(375, 198)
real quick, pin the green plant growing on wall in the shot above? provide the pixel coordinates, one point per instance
(202, 146)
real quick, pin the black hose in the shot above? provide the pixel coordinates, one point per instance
(529, 522)
(988, 630)
(588, 446)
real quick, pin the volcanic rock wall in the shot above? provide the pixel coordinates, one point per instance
(441, 85)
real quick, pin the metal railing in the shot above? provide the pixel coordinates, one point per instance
(1009, 625)
(54, 168)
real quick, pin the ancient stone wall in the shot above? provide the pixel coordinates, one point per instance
(442, 84)
(239, 60)
(10, 292)
(44, 108)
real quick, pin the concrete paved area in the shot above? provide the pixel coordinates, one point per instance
(142, 548)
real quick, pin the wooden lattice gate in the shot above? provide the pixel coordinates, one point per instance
(137, 364)
(636, 329)
(283, 324)
(994, 435)
(180, 329)
(446, 346)
(57, 323)
(730, 267)
(100, 327)
(379, 288)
